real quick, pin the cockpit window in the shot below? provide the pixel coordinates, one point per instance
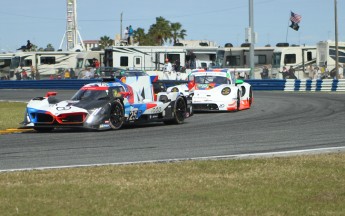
(90, 94)
(115, 91)
(211, 79)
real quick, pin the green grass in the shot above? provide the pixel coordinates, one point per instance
(11, 114)
(301, 185)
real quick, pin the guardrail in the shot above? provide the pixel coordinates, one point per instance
(257, 84)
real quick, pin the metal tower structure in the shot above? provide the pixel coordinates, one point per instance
(72, 33)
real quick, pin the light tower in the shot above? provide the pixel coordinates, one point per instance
(72, 33)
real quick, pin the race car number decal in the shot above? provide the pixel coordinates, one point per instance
(133, 114)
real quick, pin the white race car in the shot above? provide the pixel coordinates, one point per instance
(216, 90)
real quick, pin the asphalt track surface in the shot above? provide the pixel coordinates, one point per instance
(277, 121)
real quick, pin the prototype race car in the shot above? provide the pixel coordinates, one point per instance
(216, 90)
(107, 104)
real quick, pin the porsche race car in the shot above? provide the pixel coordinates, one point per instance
(216, 90)
(107, 104)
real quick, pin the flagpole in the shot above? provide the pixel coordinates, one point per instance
(287, 29)
(336, 40)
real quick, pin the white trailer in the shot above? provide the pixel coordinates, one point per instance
(85, 60)
(299, 57)
(152, 58)
(326, 54)
(47, 63)
(5, 63)
(238, 57)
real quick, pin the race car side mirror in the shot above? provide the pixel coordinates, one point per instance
(125, 94)
(191, 84)
(50, 94)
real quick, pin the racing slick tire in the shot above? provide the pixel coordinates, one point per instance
(250, 97)
(238, 104)
(116, 118)
(43, 129)
(179, 112)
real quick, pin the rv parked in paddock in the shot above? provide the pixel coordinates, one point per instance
(152, 58)
(238, 57)
(86, 59)
(47, 63)
(326, 54)
(299, 57)
(5, 63)
(52, 63)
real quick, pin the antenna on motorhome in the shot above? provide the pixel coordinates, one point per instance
(72, 33)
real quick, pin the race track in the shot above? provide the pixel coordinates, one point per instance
(278, 121)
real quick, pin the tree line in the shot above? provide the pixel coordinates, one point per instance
(159, 33)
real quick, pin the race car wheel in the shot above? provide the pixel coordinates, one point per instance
(250, 97)
(43, 130)
(238, 101)
(179, 112)
(116, 115)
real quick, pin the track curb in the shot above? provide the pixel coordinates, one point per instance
(14, 130)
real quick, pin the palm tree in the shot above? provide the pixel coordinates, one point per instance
(105, 41)
(160, 31)
(139, 35)
(33, 47)
(177, 32)
(49, 47)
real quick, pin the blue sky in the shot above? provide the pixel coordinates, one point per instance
(221, 21)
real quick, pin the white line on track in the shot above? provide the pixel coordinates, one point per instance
(238, 156)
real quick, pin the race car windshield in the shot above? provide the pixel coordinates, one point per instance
(211, 79)
(90, 94)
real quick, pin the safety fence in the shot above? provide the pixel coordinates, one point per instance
(257, 84)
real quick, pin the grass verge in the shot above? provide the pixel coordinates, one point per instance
(11, 114)
(300, 185)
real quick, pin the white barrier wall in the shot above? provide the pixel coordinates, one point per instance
(315, 85)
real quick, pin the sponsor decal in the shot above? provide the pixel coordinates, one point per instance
(104, 126)
(63, 108)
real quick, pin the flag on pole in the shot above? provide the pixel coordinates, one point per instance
(295, 19)
(294, 26)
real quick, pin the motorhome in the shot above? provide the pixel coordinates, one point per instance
(299, 57)
(86, 59)
(152, 58)
(326, 54)
(5, 63)
(239, 57)
(46, 62)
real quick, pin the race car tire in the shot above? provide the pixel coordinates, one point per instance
(43, 130)
(250, 97)
(179, 112)
(238, 101)
(116, 118)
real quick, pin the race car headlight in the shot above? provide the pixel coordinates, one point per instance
(226, 91)
(175, 89)
(93, 114)
(95, 111)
